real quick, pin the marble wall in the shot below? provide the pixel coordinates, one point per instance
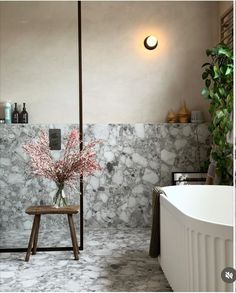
(134, 158)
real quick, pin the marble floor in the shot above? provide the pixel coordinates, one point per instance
(112, 260)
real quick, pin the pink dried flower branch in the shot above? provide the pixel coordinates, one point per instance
(68, 169)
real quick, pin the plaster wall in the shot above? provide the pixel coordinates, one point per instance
(122, 82)
(224, 6)
(125, 82)
(38, 58)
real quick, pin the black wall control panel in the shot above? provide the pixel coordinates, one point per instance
(55, 139)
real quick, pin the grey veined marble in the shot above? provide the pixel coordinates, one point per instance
(134, 158)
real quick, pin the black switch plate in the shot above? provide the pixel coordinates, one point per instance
(55, 139)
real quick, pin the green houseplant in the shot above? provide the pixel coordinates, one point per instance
(218, 77)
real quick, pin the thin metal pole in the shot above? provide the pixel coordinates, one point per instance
(80, 123)
(22, 249)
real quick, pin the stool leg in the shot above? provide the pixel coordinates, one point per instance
(36, 233)
(32, 235)
(73, 236)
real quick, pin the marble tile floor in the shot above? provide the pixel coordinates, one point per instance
(113, 260)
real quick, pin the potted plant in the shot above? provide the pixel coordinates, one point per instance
(218, 77)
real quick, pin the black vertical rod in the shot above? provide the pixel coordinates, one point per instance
(80, 123)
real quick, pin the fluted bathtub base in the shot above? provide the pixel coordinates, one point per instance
(194, 252)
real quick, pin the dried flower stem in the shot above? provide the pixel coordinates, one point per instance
(68, 169)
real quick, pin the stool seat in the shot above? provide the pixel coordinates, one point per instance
(39, 210)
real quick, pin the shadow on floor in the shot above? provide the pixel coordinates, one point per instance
(133, 271)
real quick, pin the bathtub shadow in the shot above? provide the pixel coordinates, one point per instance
(133, 271)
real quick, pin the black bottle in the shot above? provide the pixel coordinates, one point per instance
(15, 115)
(24, 115)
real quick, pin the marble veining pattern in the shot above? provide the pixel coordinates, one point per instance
(134, 158)
(112, 260)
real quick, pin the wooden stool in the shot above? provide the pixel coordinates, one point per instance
(37, 211)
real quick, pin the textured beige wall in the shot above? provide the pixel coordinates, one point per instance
(224, 5)
(123, 82)
(38, 59)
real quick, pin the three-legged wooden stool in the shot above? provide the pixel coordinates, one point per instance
(37, 211)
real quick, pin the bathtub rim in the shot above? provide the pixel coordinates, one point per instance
(164, 199)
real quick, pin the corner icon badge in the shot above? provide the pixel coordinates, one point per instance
(228, 275)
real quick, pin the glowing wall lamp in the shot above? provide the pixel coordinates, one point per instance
(150, 42)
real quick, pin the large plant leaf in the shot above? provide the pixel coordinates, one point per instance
(205, 92)
(220, 114)
(205, 64)
(222, 91)
(207, 83)
(216, 71)
(225, 52)
(204, 75)
(208, 52)
(229, 70)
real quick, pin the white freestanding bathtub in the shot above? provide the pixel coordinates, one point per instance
(196, 236)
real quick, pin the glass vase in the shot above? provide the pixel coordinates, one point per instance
(59, 199)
